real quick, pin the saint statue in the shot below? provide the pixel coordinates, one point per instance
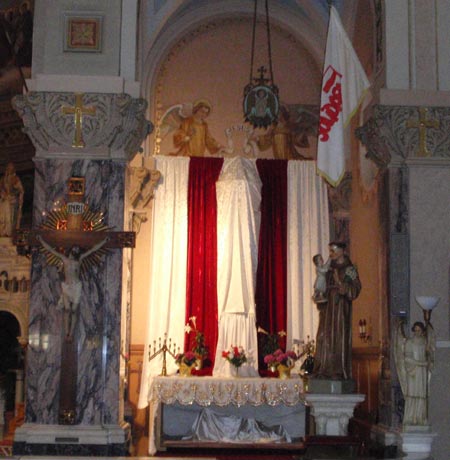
(11, 201)
(334, 335)
(414, 358)
(71, 286)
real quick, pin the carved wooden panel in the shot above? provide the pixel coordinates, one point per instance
(366, 372)
(135, 365)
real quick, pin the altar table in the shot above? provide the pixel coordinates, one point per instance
(176, 401)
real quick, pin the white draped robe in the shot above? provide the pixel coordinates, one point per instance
(238, 192)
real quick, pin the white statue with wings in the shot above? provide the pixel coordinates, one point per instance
(414, 358)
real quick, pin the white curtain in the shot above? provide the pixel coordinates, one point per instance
(238, 193)
(168, 249)
(308, 234)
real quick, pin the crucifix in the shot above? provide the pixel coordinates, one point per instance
(73, 239)
(422, 124)
(78, 111)
(261, 80)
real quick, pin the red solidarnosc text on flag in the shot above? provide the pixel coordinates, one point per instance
(330, 110)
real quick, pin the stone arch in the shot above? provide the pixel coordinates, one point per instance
(21, 318)
(309, 28)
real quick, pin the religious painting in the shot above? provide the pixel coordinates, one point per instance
(82, 33)
(184, 131)
(16, 34)
(204, 65)
(291, 136)
(261, 106)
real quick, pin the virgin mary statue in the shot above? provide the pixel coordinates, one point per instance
(238, 220)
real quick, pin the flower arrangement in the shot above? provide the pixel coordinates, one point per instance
(235, 355)
(199, 348)
(286, 358)
(271, 342)
(187, 358)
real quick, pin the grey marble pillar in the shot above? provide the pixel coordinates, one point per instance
(413, 145)
(112, 135)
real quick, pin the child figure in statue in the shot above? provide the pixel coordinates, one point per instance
(320, 285)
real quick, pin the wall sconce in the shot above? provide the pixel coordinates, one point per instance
(427, 304)
(364, 331)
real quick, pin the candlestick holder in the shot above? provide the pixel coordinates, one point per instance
(427, 304)
(365, 330)
(164, 346)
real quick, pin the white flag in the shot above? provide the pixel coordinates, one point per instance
(343, 86)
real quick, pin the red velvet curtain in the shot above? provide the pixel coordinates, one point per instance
(271, 285)
(201, 284)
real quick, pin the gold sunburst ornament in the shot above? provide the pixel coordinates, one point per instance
(76, 217)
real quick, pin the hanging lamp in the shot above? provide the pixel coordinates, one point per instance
(261, 104)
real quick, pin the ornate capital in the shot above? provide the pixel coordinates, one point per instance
(115, 127)
(377, 149)
(400, 133)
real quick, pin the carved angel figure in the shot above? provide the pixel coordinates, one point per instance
(414, 358)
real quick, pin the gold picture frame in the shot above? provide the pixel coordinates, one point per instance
(83, 33)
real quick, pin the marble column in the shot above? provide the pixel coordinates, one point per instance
(111, 136)
(413, 143)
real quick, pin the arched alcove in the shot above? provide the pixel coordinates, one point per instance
(205, 53)
(11, 357)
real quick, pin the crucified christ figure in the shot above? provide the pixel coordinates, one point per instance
(71, 286)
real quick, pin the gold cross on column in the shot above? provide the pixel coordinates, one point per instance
(422, 124)
(78, 111)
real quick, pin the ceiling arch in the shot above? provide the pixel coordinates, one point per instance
(162, 29)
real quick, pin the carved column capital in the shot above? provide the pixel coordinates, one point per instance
(371, 136)
(113, 128)
(396, 134)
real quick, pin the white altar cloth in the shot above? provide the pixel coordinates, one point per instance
(212, 391)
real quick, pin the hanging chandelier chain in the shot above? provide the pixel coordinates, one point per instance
(261, 101)
(269, 49)
(253, 40)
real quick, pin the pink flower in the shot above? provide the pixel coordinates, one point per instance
(189, 356)
(291, 354)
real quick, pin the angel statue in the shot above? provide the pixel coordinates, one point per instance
(71, 286)
(414, 358)
(191, 133)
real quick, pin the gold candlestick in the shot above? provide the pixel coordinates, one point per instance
(164, 349)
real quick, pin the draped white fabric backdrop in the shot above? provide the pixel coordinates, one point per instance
(168, 248)
(238, 220)
(308, 234)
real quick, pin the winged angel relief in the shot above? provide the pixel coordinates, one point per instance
(191, 136)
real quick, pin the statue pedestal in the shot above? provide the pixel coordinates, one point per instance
(329, 386)
(78, 440)
(417, 441)
(332, 411)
